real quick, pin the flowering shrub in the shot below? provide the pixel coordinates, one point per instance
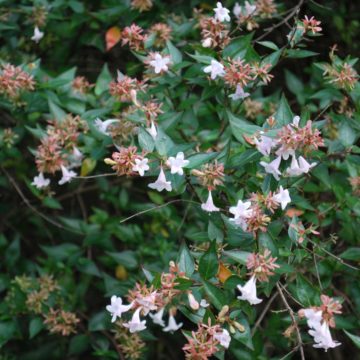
(189, 190)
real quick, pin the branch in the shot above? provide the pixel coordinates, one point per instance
(291, 313)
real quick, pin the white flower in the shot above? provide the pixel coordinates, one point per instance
(313, 317)
(223, 338)
(209, 205)
(148, 303)
(282, 197)
(265, 144)
(177, 163)
(38, 35)
(141, 166)
(296, 121)
(248, 292)
(103, 125)
(322, 337)
(241, 210)
(239, 93)
(206, 43)
(117, 308)
(40, 182)
(157, 318)
(67, 175)
(204, 303)
(216, 69)
(172, 325)
(152, 130)
(192, 301)
(160, 63)
(221, 13)
(76, 158)
(273, 167)
(304, 165)
(161, 183)
(294, 169)
(136, 324)
(237, 10)
(284, 152)
(249, 9)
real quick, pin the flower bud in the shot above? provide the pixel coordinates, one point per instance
(109, 161)
(192, 301)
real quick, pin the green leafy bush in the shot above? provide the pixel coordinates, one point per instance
(178, 180)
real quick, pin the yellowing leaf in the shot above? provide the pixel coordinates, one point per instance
(112, 37)
(224, 273)
(121, 273)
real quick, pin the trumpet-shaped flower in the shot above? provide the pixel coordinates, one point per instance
(172, 325)
(282, 197)
(136, 324)
(177, 163)
(272, 167)
(67, 175)
(147, 303)
(204, 303)
(248, 292)
(223, 338)
(322, 337)
(160, 63)
(209, 206)
(141, 165)
(221, 13)
(116, 308)
(313, 317)
(241, 210)
(265, 144)
(38, 35)
(304, 165)
(152, 130)
(161, 183)
(103, 125)
(157, 318)
(215, 69)
(239, 93)
(40, 181)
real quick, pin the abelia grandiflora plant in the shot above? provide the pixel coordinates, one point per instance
(244, 173)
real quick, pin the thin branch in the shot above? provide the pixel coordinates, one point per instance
(95, 176)
(334, 256)
(263, 313)
(34, 209)
(158, 207)
(291, 313)
(283, 21)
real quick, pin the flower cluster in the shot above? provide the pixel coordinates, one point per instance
(289, 140)
(58, 150)
(61, 322)
(125, 88)
(14, 80)
(320, 319)
(341, 74)
(81, 85)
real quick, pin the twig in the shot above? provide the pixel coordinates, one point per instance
(283, 21)
(36, 211)
(158, 207)
(334, 256)
(263, 313)
(291, 313)
(317, 271)
(95, 176)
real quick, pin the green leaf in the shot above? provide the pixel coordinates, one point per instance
(126, 258)
(103, 81)
(237, 255)
(186, 261)
(35, 326)
(300, 54)
(352, 253)
(240, 127)
(283, 115)
(176, 56)
(268, 44)
(208, 264)
(216, 296)
(145, 140)
(201, 158)
(58, 113)
(354, 338)
(61, 252)
(79, 344)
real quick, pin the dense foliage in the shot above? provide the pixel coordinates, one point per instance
(179, 179)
